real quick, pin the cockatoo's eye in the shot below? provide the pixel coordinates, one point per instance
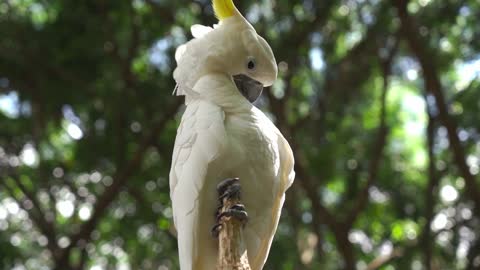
(251, 65)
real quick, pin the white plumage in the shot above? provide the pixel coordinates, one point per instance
(222, 135)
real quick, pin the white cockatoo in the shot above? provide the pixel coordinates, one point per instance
(222, 135)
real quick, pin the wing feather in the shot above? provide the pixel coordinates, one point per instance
(287, 175)
(200, 140)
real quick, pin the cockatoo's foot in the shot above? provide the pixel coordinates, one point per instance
(237, 211)
(229, 189)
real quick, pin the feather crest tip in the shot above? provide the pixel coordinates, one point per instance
(223, 8)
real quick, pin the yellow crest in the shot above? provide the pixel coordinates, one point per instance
(223, 8)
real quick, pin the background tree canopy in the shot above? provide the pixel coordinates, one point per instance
(379, 99)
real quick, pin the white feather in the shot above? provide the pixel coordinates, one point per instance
(180, 51)
(199, 30)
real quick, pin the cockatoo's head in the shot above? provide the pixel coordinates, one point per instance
(232, 47)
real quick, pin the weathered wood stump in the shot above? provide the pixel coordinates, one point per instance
(232, 253)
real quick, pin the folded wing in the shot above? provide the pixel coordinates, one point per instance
(200, 140)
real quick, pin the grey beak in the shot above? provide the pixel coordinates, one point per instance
(250, 88)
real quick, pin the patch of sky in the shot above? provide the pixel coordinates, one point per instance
(316, 59)
(258, 10)
(465, 11)
(366, 14)
(253, 14)
(10, 104)
(158, 53)
(467, 71)
(316, 39)
(408, 67)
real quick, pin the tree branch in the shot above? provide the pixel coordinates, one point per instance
(433, 180)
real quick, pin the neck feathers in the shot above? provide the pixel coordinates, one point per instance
(221, 90)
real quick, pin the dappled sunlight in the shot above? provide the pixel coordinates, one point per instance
(74, 131)
(360, 238)
(409, 139)
(65, 208)
(29, 156)
(439, 222)
(85, 212)
(448, 194)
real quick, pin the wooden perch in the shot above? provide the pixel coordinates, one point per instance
(232, 254)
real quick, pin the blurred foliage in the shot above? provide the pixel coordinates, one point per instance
(87, 123)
